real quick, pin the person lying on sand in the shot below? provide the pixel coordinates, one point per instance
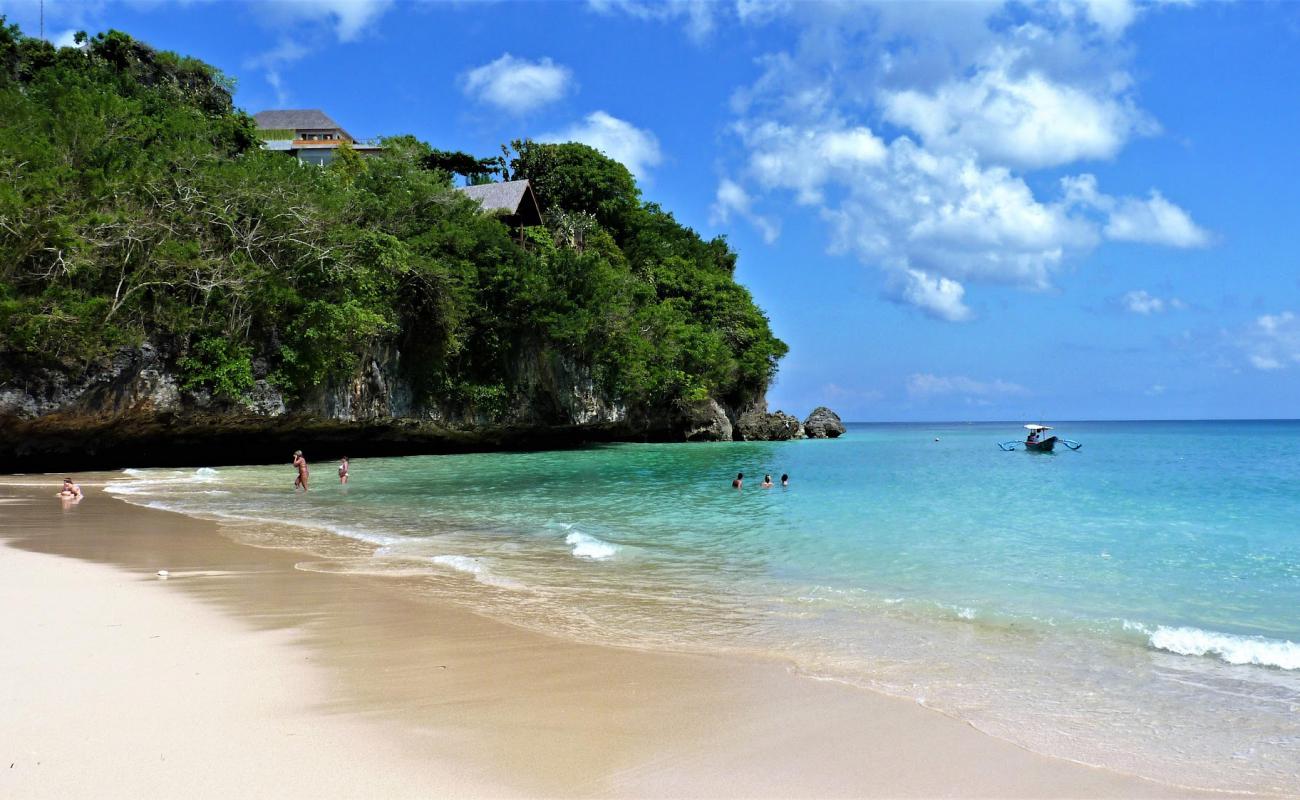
(301, 464)
(70, 490)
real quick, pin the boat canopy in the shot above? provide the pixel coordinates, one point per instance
(1039, 427)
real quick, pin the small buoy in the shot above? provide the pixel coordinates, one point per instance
(164, 574)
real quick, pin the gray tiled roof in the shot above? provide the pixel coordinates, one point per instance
(294, 119)
(498, 196)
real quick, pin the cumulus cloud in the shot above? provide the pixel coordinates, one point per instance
(937, 296)
(1272, 341)
(925, 384)
(633, 147)
(804, 159)
(1154, 220)
(733, 200)
(1139, 301)
(517, 85)
(938, 195)
(1150, 220)
(1021, 118)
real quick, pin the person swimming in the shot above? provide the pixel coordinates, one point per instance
(303, 473)
(785, 480)
(739, 482)
(343, 470)
(70, 490)
(767, 482)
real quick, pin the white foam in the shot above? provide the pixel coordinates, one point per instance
(205, 473)
(1227, 647)
(585, 546)
(478, 569)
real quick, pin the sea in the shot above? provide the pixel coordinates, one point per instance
(1134, 604)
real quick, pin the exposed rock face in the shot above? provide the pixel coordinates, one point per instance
(757, 425)
(704, 421)
(132, 410)
(823, 423)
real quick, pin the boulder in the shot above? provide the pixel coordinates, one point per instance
(823, 423)
(704, 421)
(756, 425)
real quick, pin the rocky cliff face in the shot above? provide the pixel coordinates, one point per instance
(133, 411)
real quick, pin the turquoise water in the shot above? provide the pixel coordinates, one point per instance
(1135, 604)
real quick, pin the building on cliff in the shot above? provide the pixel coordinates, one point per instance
(307, 134)
(513, 201)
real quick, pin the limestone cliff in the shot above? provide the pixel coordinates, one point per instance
(133, 411)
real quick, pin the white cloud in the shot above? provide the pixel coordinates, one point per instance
(286, 52)
(305, 26)
(698, 15)
(634, 148)
(1019, 117)
(518, 85)
(939, 297)
(1272, 341)
(732, 199)
(66, 39)
(349, 19)
(924, 384)
(1154, 220)
(986, 95)
(1112, 17)
(1139, 301)
(805, 159)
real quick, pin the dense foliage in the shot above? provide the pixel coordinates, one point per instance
(135, 205)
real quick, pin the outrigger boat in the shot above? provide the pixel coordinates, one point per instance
(1038, 441)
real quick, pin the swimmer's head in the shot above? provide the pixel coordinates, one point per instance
(739, 475)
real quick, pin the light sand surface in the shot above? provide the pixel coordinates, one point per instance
(240, 676)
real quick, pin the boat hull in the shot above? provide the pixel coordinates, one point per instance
(1044, 446)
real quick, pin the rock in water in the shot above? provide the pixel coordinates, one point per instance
(823, 423)
(756, 425)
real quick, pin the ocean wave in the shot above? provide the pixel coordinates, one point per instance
(478, 569)
(589, 547)
(143, 481)
(1256, 650)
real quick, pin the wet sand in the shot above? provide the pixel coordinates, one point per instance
(240, 675)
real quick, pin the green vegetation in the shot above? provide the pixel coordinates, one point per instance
(136, 205)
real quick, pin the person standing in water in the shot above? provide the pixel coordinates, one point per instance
(785, 480)
(343, 470)
(767, 482)
(301, 464)
(739, 482)
(70, 491)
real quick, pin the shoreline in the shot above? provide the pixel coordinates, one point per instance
(520, 712)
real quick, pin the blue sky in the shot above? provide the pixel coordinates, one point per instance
(1067, 210)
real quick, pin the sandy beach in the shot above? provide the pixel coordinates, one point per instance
(241, 676)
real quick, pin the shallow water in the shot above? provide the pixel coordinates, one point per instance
(1133, 604)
